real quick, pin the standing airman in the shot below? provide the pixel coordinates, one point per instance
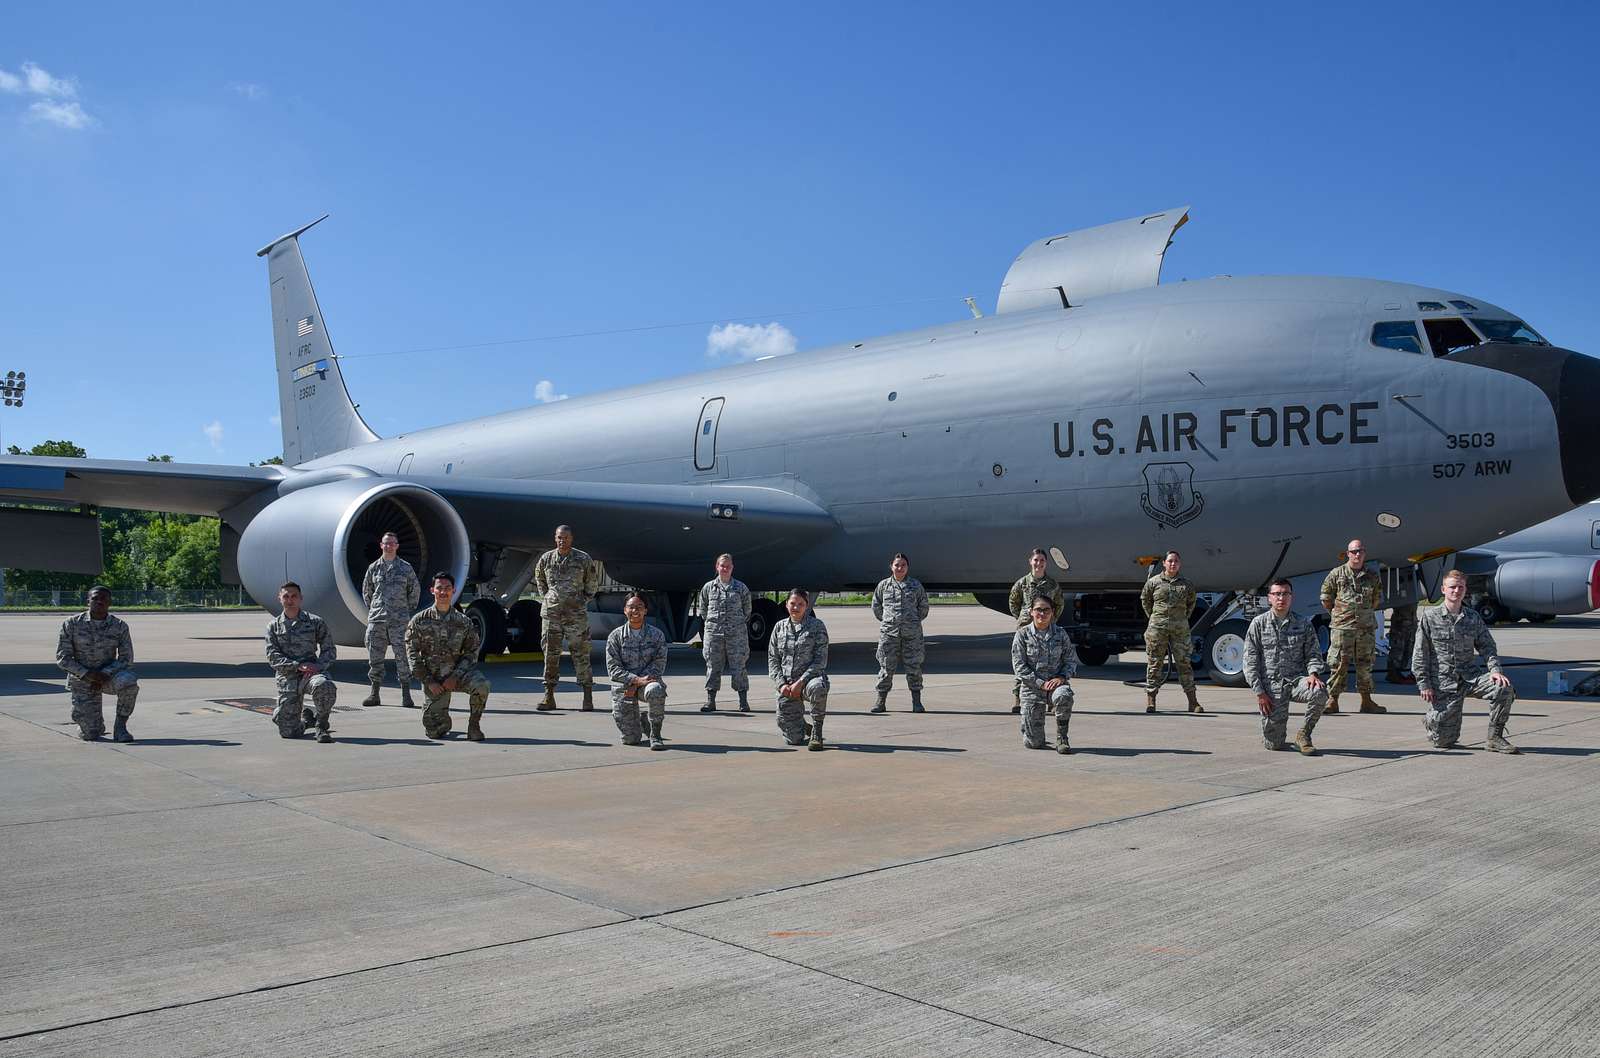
(636, 661)
(1283, 664)
(797, 661)
(566, 579)
(1351, 593)
(725, 606)
(300, 650)
(1044, 661)
(96, 652)
(1456, 659)
(1030, 586)
(1402, 641)
(1168, 600)
(391, 591)
(443, 646)
(901, 605)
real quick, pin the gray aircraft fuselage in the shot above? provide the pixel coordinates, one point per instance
(1250, 423)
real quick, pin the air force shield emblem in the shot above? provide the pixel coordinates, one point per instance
(1169, 495)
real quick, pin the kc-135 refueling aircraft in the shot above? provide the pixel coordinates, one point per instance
(1255, 424)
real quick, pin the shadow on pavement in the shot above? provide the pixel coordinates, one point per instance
(1128, 751)
(179, 741)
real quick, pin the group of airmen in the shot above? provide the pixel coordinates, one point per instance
(1454, 656)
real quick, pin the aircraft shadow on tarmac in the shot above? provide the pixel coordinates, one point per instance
(175, 741)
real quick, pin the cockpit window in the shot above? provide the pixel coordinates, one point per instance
(1449, 335)
(1430, 306)
(1513, 331)
(1397, 334)
(1465, 306)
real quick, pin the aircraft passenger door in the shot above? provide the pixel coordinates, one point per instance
(705, 434)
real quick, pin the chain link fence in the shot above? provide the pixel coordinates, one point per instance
(129, 599)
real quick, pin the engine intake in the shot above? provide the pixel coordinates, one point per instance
(325, 536)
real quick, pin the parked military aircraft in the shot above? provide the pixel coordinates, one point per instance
(1540, 573)
(1256, 424)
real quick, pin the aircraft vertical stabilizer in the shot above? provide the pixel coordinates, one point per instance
(318, 415)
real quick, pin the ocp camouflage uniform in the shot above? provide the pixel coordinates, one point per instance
(1280, 654)
(304, 640)
(900, 607)
(441, 645)
(1353, 597)
(631, 653)
(725, 636)
(87, 646)
(1454, 657)
(1402, 640)
(391, 591)
(1036, 658)
(1168, 602)
(565, 584)
(800, 652)
(1023, 593)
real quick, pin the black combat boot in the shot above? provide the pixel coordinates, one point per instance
(744, 701)
(121, 733)
(474, 731)
(405, 695)
(655, 735)
(324, 733)
(916, 702)
(372, 699)
(588, 697)
(308, 718)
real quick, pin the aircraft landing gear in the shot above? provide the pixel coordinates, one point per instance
(491, 621)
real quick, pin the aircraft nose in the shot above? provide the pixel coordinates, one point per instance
(1572, 383)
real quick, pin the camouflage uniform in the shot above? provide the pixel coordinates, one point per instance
(1279, 656)
(289, 645)
(1023, 593)
(1402, 640)
(565, 584)
(1353, 596)
(1447, 662)
(1168, 602)
(800, 652)
(441, 645)
(391, 591)
(86, 646)
(631, 653)
(900, 607)
(1036, 658)
(725, 636)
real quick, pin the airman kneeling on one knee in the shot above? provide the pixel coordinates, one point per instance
(1030, 586)
(300, 650)
(96, 652)
(1455, 659)
(797, 661)
(636, 661)
(1044, 661)
(1283, 664)
(442, 644)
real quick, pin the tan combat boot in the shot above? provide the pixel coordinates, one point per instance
(882, 704)
(1333, 705)
(549, 701)
(1368, 705)
(372, 699)
(1194, 703)
(1302, 742)
(474, 730)
(1149, 701)
(1496, 743)
(588, 697)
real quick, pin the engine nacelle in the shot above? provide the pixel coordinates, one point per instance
(1561, 585)
(324, 537)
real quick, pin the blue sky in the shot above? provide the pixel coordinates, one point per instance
(508, 171)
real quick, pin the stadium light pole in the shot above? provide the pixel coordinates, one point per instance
(12, 389)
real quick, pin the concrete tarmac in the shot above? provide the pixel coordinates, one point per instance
(927, 887)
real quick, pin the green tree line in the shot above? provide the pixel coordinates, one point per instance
(141, 549)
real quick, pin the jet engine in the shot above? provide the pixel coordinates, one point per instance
(1558, 585)
(323, 537)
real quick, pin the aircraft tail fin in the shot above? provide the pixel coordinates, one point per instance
(318, 416)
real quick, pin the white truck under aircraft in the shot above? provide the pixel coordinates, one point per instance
(1255, 424)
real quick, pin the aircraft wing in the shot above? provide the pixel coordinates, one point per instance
(178, 488)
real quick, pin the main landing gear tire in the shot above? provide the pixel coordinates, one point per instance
(1224, 652)
(490, 618)
(764, 617)
(524, 626)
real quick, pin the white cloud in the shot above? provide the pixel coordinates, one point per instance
(546, 393)
(742, 341)
(213, 432)
(42, 83)
(10, 82)
(65, 115)
(249, 89)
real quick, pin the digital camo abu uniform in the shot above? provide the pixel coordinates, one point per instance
(1455, 658)
(87, 647)
(391, 590)
(305, 639)
(1027, 588)
(632, 653)
(725, 638)
(900, 607)
(1036, 659)
(1168, 601)
(799, 652)
(442, 645)
(565, 584)
(1352, 598)
(1280, 654)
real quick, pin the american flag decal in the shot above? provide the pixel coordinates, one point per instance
(304, 327)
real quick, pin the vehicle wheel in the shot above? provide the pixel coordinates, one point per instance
(764, 617)
(491, 621)
(1490, 610)
(1224, 652)
(1094, 655)
(524, 626)
(1541, 618)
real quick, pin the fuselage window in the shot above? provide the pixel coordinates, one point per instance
(1449, 335)
(1397, 334)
